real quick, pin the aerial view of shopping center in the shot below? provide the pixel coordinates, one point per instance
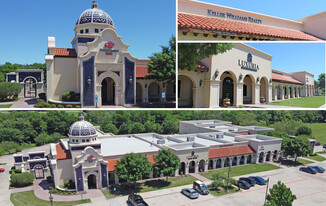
(174, 102)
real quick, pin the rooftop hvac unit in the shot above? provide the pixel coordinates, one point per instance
(160, 141)
(252, 131)
(211, 126)
(231, 130)
(190, 139)
(220, 136)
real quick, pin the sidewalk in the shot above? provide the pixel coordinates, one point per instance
(22, 103)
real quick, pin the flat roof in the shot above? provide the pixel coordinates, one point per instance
(119, 145)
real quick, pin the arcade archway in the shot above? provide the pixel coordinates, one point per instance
(154, 92)
(91, 181)
(185, 91)
(30, 89)
(108, 91)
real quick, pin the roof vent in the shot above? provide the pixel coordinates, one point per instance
(190, 139)
(251, 132)
(220, 136)
(160, 141)
(211, 126)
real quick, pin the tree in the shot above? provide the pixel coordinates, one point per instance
(298, 146)
(166, 163)
(2, 151)
(280, 195)
(10, 146)
(190, 53)
(110, 128)
(138, 127)
(11, 134)
(162, 65)
(170, 125)
(150, 126)
(125, 128)
(321, 80)
(304, 130)
(133, 167)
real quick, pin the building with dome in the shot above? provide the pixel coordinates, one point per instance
(100, 68)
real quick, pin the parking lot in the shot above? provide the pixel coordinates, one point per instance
(310, 190)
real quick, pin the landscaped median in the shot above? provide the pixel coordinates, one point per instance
(309, 102)
(317, 158)
(240, 170)
(150, 185)
(28, 198)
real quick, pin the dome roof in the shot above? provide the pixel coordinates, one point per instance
(95, 15)
(82, 128)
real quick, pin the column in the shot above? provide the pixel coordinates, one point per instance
(222, 162)
(239, 94)
(257, 94)
(288, 92)
(275, 93)
(282, 92)
(245, 159)
(270, 93)
(206, 165)
(214, 90)
(238, 160)
(176, 173)
(196, 167)
(231, 161)
(187, 168)
(214, 163)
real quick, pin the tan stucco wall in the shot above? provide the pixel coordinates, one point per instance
(65, 76)
(64, 171)
(316, 25)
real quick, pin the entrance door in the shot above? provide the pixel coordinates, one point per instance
(39, 172)
(108, 91)
(30, 88)
(91, 182)
(228, 89)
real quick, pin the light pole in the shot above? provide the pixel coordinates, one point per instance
(51, 198)
(227, 184)
(266, 190)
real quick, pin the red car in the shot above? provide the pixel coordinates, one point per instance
(2, 169)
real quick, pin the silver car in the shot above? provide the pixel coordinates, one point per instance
(189, 192)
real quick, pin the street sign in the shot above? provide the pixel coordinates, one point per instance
(96, 98)
(163, 95)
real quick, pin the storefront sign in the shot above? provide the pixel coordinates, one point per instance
(192, 157)
(108, 48)
(90, 158)
(233, 16)
(248, 65)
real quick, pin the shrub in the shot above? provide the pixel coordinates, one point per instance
(40, 103)
(70, 96)
(69, 106)
(53, 106)
(46, 105)
(42, 96)
(9, 90)
(21, 180)
(60, 106)
(304, 130)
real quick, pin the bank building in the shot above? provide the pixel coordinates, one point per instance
(244, 75)
(205, 21)
(100, 68)
(88, 156)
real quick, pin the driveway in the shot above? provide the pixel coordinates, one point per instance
(22, 103)
(5, 177)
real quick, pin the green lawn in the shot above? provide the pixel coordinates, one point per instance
(310, 102)
(150, 185)
(28, 198)
(304, 162)
(317, 158)
(5, 105)
(241, 170)
(319, 132)
(223, 192)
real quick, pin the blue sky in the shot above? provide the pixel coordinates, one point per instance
(25, 25)
(288, 9)
(292, 57)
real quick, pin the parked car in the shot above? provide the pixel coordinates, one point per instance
(200, 187)
(259, 180)
(2, 169)
(189, 192)
(324, 146)
(317, 143)
(319, 169)
(243, 184)
(309, 169)
(251, 181)
(136, 200)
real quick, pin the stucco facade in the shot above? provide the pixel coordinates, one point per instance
(244, 75)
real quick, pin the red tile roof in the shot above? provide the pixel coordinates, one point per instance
(283, 78)
(64, 52)
(201, 67)
(214, 24)
(141, 71)
(113, 162)
(230, 151)
(61, 153)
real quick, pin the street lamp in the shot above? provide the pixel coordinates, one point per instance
(51, 198)
(266, 189)
(89, 81)
(227, 184)
(130, 80)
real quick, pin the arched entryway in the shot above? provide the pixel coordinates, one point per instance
(182, 168)
(264, 89)
(291, 92)
(154, 92)
(248, 89)
(211, 164)
(249, 159)
(279, 92)
(108, 91)
(227, 162)
(91, 182)
(185, 91)
(268, 156)
(261, 157)
(242, 160)
(30, 89)
(201, 166)
(192, 167)
(234, 161)
(139, 93)
(219, 163)
(286, 90)
(275, 156)
(39, 172)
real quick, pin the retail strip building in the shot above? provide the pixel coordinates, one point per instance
(99, 67)
(88, 156)
(244, 75)
(205, 21)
